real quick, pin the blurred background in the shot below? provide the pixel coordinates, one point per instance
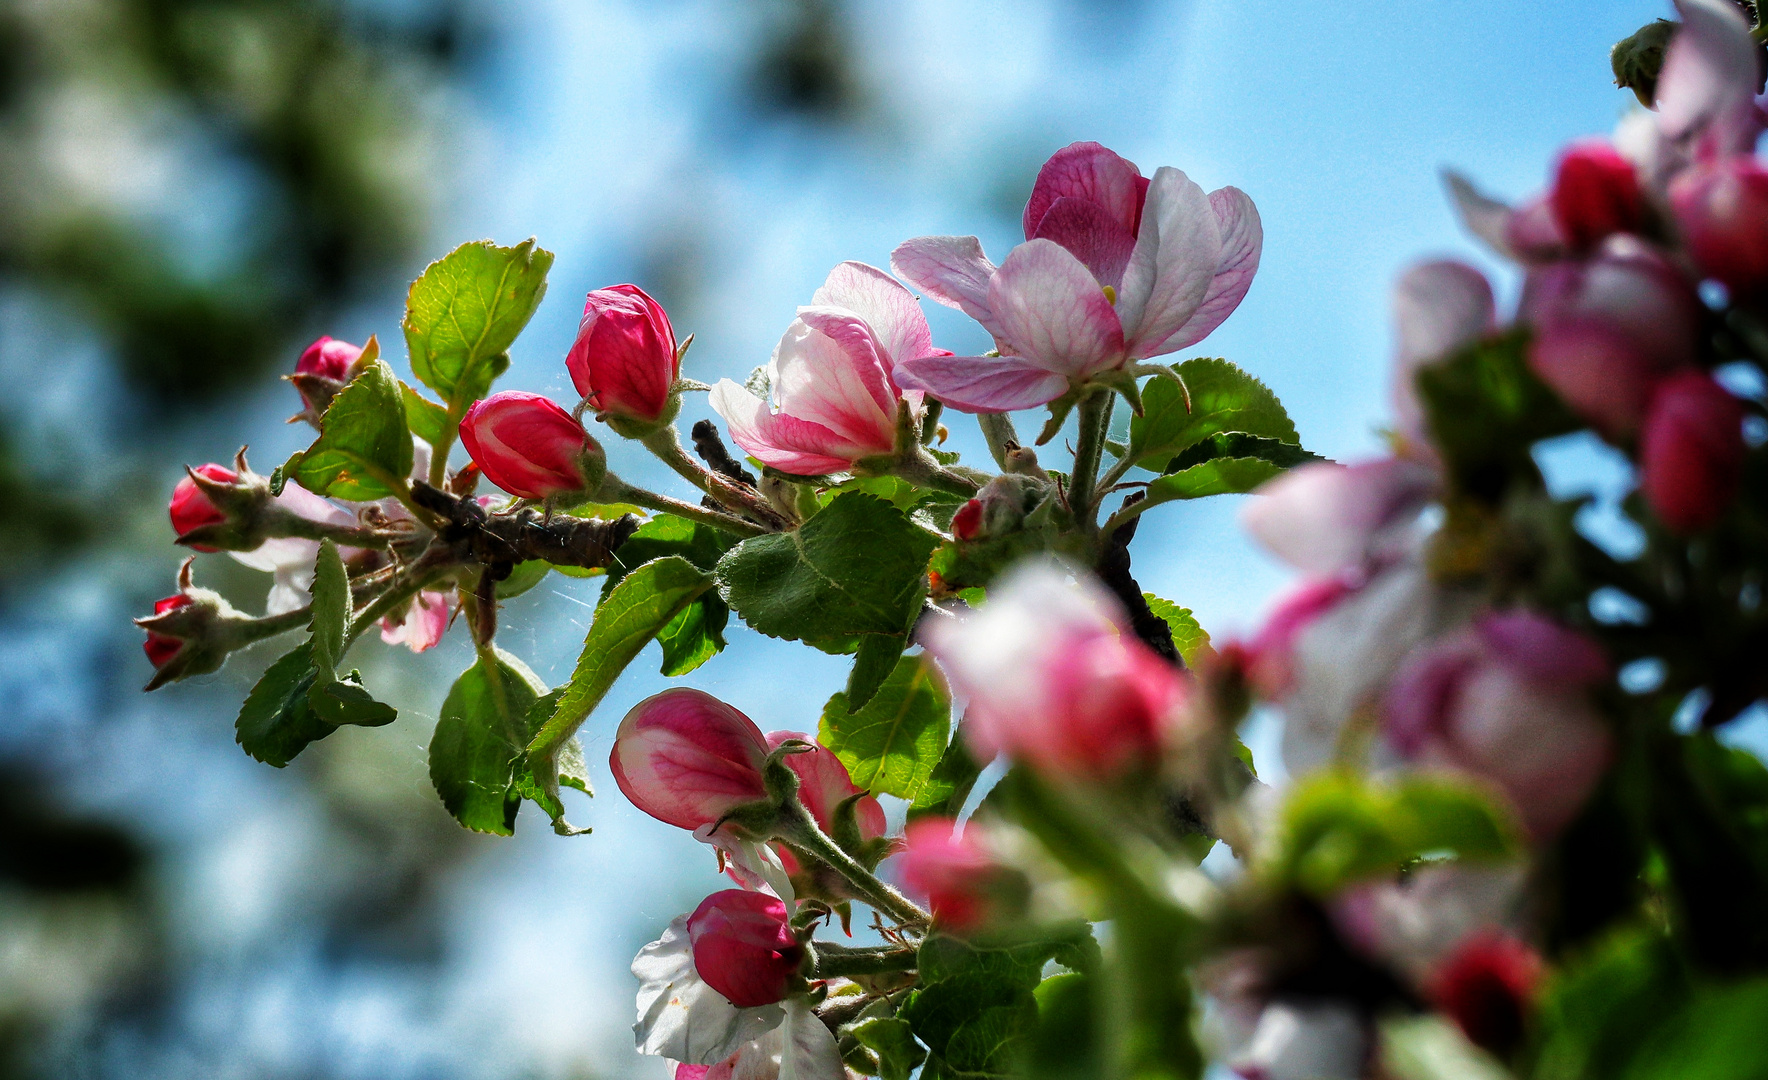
(191, 190)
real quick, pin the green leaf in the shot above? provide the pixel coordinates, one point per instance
(331, 610)
(1485, 409)
(858, 567)
(1597, 1012)
(697, 633)
(872, 664)
(276, 723)
(992, 1042)
(893, 743)
(1238, 444)
(427, 420)
(694, 636)
(345, 701)
(364, 447)
(465, 311)
(523, 576)
(1188, 637)
(1220, 476)
(1066, 1044)
(1717, 1036)
(1209, 396)
(948, 788)
(893, 1040)
(479, 744)
(642, 604)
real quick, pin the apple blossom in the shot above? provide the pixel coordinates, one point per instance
(1439, 307)
(191, 507)
(800, 1048)
(1327, 519)
(530, 447)
(833, 377)
(686, 758)
(1691, 452)
(744, 947)
(422, 624)
(1114, 269)
(1056, 678)
(624, 361)
(1304, 1040)
(1722, 212)
(1270, 654)
(824, 784)
(680, 1016)
(1595, 194)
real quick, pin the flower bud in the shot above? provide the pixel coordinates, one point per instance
(192, 631)
(161, 648)
(965, 885)
(686, 758)
(967, 522)
(744, 947)
(824, 784)
(321, 372)
(1056, 678)
(1595, 194)
(191, 507)
(624, 361)
(1488, 987)
(529, 447)
(1691, 453)
(1722, 210)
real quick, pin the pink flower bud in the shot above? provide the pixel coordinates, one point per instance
(624, 359)
(686, 758)
(951, 870)
(528, 446)
(744, 947)
(1627, 288)
(1596, 194)
(1722, 210)
(1691, 453)
(967, 522)
(163, 647)
(824, 784)
(191, 508)
(1488, 987)
(1056, 678)
(1596, 369)
(328, 358)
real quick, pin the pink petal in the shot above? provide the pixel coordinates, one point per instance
(888, 308)
(1053, 311)
(1178, 251)
(983, 384)
(1091, 235)
(785, 442)
(952, 271)
(830, 369)
(1087, 171)
(1326, 519)
(1439, 307)
(1243, 239)
(423, 624)
(1707, 88)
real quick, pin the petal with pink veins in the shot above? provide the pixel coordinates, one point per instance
(1243, 240)
(1053, 311)
(1325, 519)
(1090, 172)
(888, 308)
(983, 384)
(952, 271)
(1707, 89)
(1091, 235)
(785, 442)
(829, 369)
(1178, 250)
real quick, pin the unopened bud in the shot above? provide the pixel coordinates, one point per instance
(192, 631)
(964, 884)
(530, 447)
(1596, 194)
(1722, 210)
(744, 947)
(322, 371)
(688, 759)
(625, 360)
(192, 509)
(1691, 452)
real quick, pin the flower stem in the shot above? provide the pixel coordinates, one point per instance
(666, 445)
(798, 828)
(998, 429)
(833, 960)
(615, 489)
(1095, 416)
(343, 535)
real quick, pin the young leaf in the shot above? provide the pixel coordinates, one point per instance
(331, 610)
(858, 567)
(479, 742)
(276, 723)
(1238, 444)
(873, 662)
(364, 447)
(892, 744)
(427, 420)
(697, 633)
(1214, 397)
(465, 311)
(948, 787)
(1190, 638)
(894, 1043)
(642, 604)
(1221, 476)
(344, 701)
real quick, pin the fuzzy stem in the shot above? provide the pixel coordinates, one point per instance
(615, 489)
(343, 535)
(998, 430)
(1095, 414)
(666, 445)
(833, 960)
(798, 828)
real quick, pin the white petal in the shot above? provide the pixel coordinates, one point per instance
(682, 1018)
(1312, 1041)
(756, 867)
(1177, 252)
(810, 1051)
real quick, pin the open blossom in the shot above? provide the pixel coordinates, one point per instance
(1115, 268)
(1439, 307)
(744, 946)
(1691, 452)
(423, 622)
(1302, 1039)
(833, 377)
(528, 446)
(191, 508)
(1056, 678)
(1506, 699)
(686, 758)
(624, 360)
(1330, 520)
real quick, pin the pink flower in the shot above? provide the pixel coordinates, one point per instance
(190, 507)
(1507, 699)
(328, 358)
(1691, 453)
(824, 784)
(1488, 987)
(1056, 678)
(422, 624)
(1722, 210)
(686, 758)
(1328, 520)
(834, 377)
(951, 870)
(1706, 92)
(1439, 308)
(528, 446)
(1596, 194)
(624, 359)
(1114, 269)
(744, 947)
(161, 648)
(1270, 656)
